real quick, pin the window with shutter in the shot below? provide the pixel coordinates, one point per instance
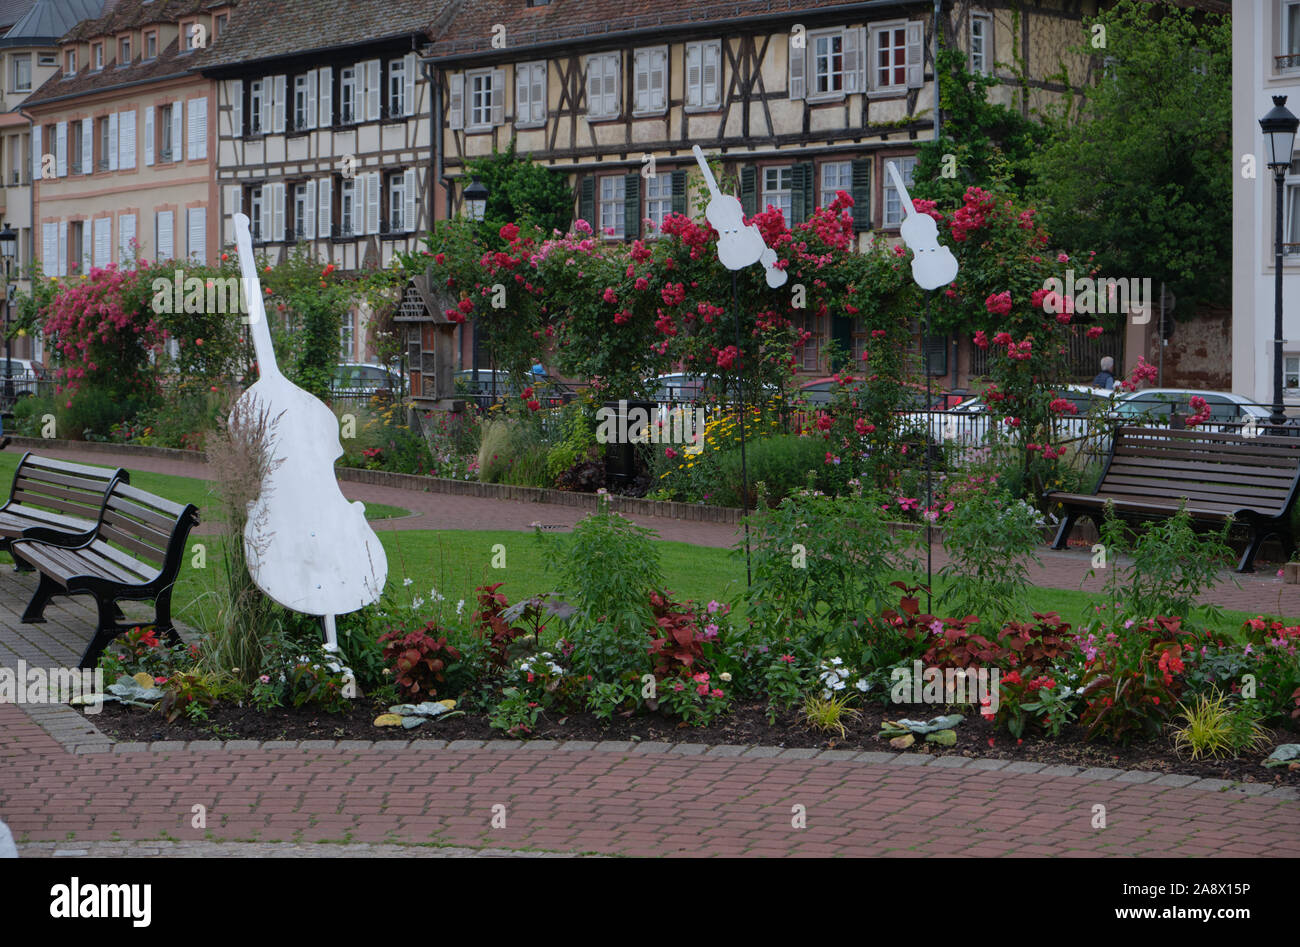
(277, 213)
(234, 199)
(348, 96)
(613, 194)
(299, 116)
(798, 56)
(163, 235)
(889, 56)
(197, 146)
(87, 146)
(603, 85)
(307, 222)
(679, 192)
(49, 249)
(456, 102)
(915, 54)
(280, 86)
(694, 75)
(893, 210)
(530, 94)
(372, 202)
(148, 135)
(63, 249)
(826, 65)
(325, 90)
(373, 90)
(126, 140)
(125, 236)
(658, 199)
(410, 214)
(61, 149)
(632, 206)
(749, 191)
(198, 235)
(113, 141)
(178, 126)
(257, 115)
(408, 94)
(650, 70)
(325, 208)
(481, 106)
(587, 199)
(235, 91)
(498, 96)
(313, 106)
(836, 176)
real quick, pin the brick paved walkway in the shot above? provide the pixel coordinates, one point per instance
(65, 788)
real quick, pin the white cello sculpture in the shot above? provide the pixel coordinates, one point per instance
(933, 264)
(739, 244)
(308, 547)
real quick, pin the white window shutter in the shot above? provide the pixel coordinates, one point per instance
(694, 74)
(498, 96)
(113, 126)
(712, 78)
(63, 247)
(148, 135)
(373, 89)
(277, 212)
(797, 64)
(234, 199)
(372, 202)
(61, 149)
(126, 139)
(658, 79)
(125, 234)
(523, 98)
(235, 89)
(165, 249)
(411, 210)
(198, 235)
(595, 83)
(852, 59)
(87, 145)
(50, 249)
(641, 78)
(325, 93)
(198, 143)
(178, 129)
(36, 152)
(308, 223)
(312, 99)
(103, 241)
(408, 94)
(324, 207)
(538, 77)
(455, 110)
(915, 54)
(277, 114)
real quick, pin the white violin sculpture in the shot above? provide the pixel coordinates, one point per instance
(308, 547)
(933, 264)
(739, 245)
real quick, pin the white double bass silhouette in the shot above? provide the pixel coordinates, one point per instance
(308, 547)
(933, 264)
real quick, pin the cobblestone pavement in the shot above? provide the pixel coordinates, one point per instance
(156, 849)
(64, 787)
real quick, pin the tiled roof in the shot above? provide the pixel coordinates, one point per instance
(11, 11)
(270, 29)
(126, 14)
(471, 30)
(46, 21)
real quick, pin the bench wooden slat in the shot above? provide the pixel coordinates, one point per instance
(1195, 490)
(1265, 460)
(119, 505)
(174, 510)
(29, 474)
(129, 541)
(1194, 434)
(1197, 473)
(84, 505)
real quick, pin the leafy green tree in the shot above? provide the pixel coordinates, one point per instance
(522, 192)
(991, 145)
(1143, 172)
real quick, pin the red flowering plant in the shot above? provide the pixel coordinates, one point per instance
(1133, 677)
(1002, 295)
(683, 640)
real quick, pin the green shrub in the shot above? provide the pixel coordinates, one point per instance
(991, 540)
(91, 413)
(29, 414)
(782, 463)
(513, 451)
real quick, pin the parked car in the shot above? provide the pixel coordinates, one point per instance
(361, 379)
(24, 375)
(967, 423)
(1229, 413)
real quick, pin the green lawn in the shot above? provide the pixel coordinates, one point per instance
(454, 562)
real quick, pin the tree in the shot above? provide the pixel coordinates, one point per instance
(991, 145)
(1143, 173)
(521, 192)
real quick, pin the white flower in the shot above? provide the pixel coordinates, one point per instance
(862, 684)
(725, 677)
(459, 606)
(407, 581)
(836, 661)
(434, 596)
(417, 602)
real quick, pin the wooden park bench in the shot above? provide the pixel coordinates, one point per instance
(55, 501)
(1151, 472)
(134, 554)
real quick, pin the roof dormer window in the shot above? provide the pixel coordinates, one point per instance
(70, 62)
(193, 36)
(150, 44)
(124, 52)
(97, 55)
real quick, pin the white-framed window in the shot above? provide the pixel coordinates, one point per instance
(658, 199)
(778, 190)
(47, 59)
(1290, 35)
(530, 94)
(650, 80)
(349, 222)
(602, 85)
(22, 72)
(348, 336)
(835, 176)
(396, 87)
(151, 44)
(257, 220)
(889, 59)
(165, 143)
(826, 64)
(97, 56)
(70, 62)
(397, 222)
(189, 35)
(478, 85)
(613, 191)
(256, 107)
(981, 43)
(348, 95)
(893, 205)
(704, 75)
(301, 203)
(124, 52)
(300, 103)
(1291, 374)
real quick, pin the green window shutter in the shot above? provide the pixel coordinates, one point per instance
(679, 192)
(587, 199)
(804, 196)
(632, 206)
(749, 191)
(862, 194)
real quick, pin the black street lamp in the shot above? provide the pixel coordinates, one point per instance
(476, 196)
(9, 250)
(1279, 127)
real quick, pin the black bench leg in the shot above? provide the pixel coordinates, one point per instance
(104, 634)
(1247, 563)
(21, 566)
(1063, 533)
(46, 590)
(163, 618)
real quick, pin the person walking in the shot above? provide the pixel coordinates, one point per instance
(1106, 377)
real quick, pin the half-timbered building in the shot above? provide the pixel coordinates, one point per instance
(799, 99)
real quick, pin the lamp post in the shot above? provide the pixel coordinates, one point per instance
(1279, 127)
(9, 250)
(476, 196)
